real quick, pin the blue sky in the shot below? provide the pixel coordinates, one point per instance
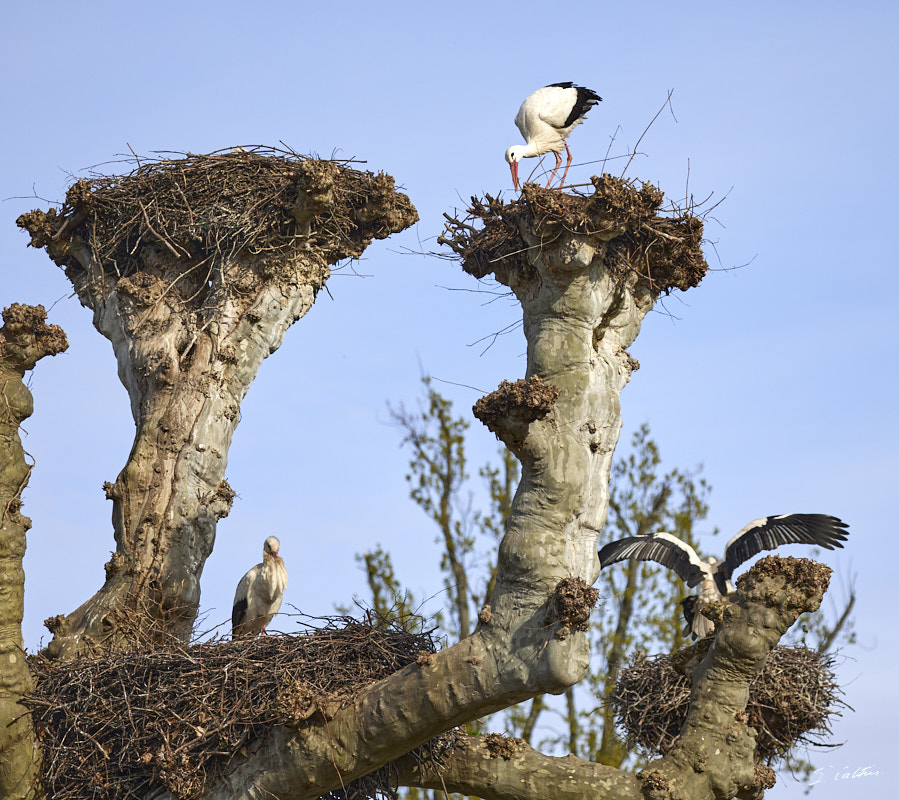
(779, 377)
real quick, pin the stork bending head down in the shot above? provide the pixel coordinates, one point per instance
(713, 576)
(545, 120)
(259, 593)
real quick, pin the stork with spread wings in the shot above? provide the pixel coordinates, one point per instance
(713, 576)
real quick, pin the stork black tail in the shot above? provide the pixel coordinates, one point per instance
(586, 99)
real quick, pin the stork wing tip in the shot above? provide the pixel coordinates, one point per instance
(238, 615)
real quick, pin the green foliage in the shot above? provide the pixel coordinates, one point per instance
(437, 474)
(642, 500)
(438, 478)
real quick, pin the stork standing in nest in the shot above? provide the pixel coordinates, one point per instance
(545, 119)
(713, 576)
(259, 593)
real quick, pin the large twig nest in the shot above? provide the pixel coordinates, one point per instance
(791, 701)
(200, 209)
(117, 726)
(658, 248)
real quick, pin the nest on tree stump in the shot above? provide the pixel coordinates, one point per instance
(791, 701)
(200, 209)
(625, 219)
(117, 726)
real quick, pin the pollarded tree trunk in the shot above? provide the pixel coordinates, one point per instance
(25, 338)
(194, 270)
(586, 271)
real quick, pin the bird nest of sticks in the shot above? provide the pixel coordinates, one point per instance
(200, 209)
(658, 248)
(174, 717)
(791, 701)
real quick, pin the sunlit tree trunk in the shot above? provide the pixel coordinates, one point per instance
(25, 338)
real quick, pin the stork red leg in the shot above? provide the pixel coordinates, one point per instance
(567, 165)
(555, 169)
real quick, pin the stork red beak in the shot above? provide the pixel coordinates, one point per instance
(513, 165)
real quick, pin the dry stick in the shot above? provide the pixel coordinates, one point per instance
(163, 239)
(646, 130)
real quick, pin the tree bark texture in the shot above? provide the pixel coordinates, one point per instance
(24, 339)
(191, 320)
(497, 768)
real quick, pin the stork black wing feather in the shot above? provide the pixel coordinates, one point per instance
(768, 533)
(586, 99)
(238, 613)
(662, 548)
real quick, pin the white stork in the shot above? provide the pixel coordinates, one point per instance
(545, 120)
(259, 593)
(713, 576)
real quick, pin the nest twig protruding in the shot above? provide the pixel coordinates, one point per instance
(509, 410)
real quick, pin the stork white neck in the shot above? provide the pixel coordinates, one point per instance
(519, 151)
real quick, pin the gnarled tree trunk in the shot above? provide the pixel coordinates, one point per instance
(25, 338)
(194, 270)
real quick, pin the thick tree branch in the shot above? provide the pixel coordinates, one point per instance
(496, 768)
(713, 758)
(24, 339)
